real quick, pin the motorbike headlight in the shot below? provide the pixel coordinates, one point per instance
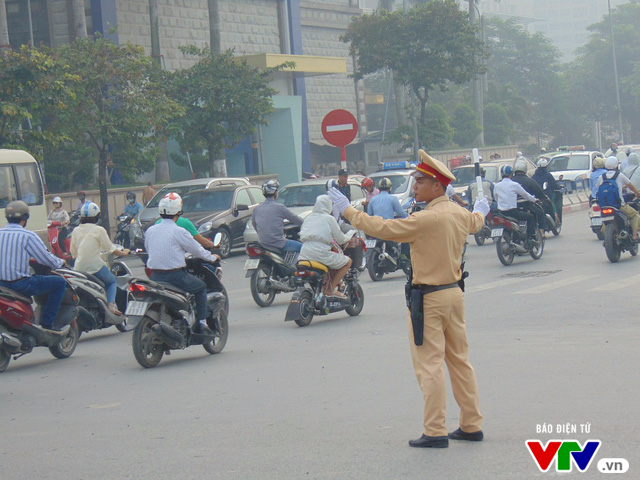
(205, 227)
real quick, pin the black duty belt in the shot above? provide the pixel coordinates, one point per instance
(426, 289)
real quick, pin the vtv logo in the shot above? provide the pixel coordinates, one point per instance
(565, 452)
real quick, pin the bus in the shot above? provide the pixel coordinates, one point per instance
(21, 179)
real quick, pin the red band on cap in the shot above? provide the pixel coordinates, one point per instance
(432, 172)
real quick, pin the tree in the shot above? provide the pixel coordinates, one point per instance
(433, 46)
(225, 99)
(465, 125)
(119, 104)
(497, 124)
(435, 132)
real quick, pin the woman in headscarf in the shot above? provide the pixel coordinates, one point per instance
(319, 230)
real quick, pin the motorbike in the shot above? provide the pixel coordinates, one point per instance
(553, 224)
(53, 231)
(20, 331)
(595, 219)
(271, 270)
(311, 280)
(128, 232)
(386, 257)
(162, 314)
(618, 236)
(510, 237)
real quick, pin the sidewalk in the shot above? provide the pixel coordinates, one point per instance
(575, 202)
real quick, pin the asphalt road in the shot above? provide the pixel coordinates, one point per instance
(553, 342)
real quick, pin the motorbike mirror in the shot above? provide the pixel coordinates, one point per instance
(217, 239)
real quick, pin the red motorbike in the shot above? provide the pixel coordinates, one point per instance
(20, 331)
(54, 228)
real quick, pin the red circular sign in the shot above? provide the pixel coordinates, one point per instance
(339, 128)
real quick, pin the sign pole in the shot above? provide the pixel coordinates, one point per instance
(343, 157)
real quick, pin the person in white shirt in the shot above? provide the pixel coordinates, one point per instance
(611, 164)
(506, 192)
(88, 241)
(166, 244)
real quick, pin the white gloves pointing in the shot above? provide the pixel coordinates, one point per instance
(339, 200)
(481, 205)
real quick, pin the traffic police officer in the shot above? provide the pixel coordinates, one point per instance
(436, 235)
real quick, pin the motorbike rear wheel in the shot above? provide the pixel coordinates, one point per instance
(222, 333)
(610, 247)
(557, 229)
(146, 348)
(65, 347)
(505, 253)
(373, 266)
(536, 252)
(5, 358)
(357, 301)
(258, 280)
(306, 309)
(634, 249)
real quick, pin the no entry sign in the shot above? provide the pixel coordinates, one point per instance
(339, 128)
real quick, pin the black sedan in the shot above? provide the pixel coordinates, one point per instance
(222, 209)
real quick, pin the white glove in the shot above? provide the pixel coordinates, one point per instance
(339, 200)
(482, 206)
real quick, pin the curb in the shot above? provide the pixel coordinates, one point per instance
(575, 208)
(575, 202)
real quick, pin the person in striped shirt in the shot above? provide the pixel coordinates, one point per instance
(17, 246)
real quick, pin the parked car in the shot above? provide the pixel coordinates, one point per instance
(224, 209)
(149, 214)
(465, 174)
(300, 197)
(572, 168)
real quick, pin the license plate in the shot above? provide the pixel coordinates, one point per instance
(607, 219)
(595, 221)
(497, 232)
(251, 263)
(136, 309)
(370, 243)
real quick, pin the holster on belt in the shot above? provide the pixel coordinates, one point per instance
(415, 304)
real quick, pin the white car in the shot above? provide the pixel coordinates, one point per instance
(572, 169)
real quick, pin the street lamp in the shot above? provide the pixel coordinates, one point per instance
(615, 74)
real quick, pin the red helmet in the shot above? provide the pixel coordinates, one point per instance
(366, 182)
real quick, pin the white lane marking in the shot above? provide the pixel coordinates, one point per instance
(340, 128)
(498, 283)
(618, 284)
(545, 287)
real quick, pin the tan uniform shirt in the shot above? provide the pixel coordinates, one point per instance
(436, 236)
(147, 194)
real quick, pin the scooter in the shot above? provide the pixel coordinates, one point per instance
(386, 257)
(618, 236)
(510, 237)
(128, 232)
(595, 219)
(20, 331)
(312, 279)
(53, 231)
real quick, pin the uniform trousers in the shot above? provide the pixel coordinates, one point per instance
(445, 339)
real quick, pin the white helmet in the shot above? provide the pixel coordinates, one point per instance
(270, 187)
(543, 162)
(520, 166)
(611, 163)
(89, 210)
(518, 153)
(171, 204)
(56, 200)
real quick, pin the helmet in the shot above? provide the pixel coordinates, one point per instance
(366, 182)
(131, 196)
(543, 162)
(543, 150)
(628, 151)
(89, 210)
(17, 210)
(171, 204)
(598, 162)
(518, 153)
(611, 163)
(506, 170)
(81, 193)
(331, 184)
(384, 184)
(270, 187)
(56, 200)
(520, 166)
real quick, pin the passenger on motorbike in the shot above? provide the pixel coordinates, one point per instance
(268, 220)
(370, 190)
(611, 164)
(597, 171)
(132, 207)
(531, 186)
(18, 245)
(88, 241)
(60, 215)
(319, 230)
(167, 244)
(542, 176)
(506, 194)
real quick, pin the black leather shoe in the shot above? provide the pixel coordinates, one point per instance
(429, 442)
(202, 329)
(459, 434)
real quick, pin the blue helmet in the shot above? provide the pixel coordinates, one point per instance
(506, 170)
(331, 183)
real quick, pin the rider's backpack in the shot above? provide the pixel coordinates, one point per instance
(608, 193)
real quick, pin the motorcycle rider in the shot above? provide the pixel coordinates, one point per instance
(82, 199)
(268, 220)
(597, 171)
(611, 164)
(506, 194)
(531, 186)
(487, 189)
(88, 241)
(370, 190)
(60, 215)
(132, 207)
(542, 176)
(18, 245)
(384, 204)
(166, 244)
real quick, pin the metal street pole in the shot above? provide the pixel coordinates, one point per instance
(615, 75)
(416, 143)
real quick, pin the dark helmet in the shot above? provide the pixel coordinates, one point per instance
(506, 170)
(270, 187)
(131, 196)
(384, 184)
(17, 210)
